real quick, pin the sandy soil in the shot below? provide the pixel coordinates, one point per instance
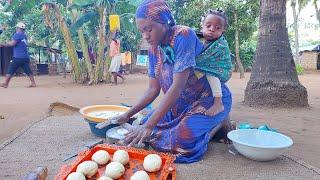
(20, 106)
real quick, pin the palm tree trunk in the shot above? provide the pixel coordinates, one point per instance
(274, 80)
(69, 44)
(237, 48)
(101, 45)
(317, 10)
(296, 32)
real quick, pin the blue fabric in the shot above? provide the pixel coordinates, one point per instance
(155, 10)
(24, 63)
(184, 130)
(20, 50)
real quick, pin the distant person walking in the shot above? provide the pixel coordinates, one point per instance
(116, 59)
(21, 57)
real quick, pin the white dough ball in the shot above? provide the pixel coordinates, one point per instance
(115, 170)
(101, 157)
(76, 176)
(88, 168)
(104, 178)
(152, 163)
(121, 156)
(140, 175)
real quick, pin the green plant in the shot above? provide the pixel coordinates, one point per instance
(299, 69)
(247, 50)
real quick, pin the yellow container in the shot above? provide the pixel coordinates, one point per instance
(114, 21)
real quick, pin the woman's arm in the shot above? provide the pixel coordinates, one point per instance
(141, 133)
(148, 97)
(171, 96)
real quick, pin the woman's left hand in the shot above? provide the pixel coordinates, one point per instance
(138, 135)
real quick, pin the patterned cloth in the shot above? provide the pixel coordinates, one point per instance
(215, 60)
(155, 10)
(184, 130)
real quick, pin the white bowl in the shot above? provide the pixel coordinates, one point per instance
(259, 145)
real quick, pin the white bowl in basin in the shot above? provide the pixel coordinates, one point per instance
(259, 145)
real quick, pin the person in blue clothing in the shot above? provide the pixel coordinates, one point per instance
(21, 57)
(179, 124)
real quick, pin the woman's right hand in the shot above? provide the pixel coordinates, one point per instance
(121, 119)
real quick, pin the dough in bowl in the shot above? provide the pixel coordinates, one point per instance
(121, 156)
(76, 176)
(114, 170)
(152, 163)
(101, 157)
(104, 178)
(140, 175)
(88, 168)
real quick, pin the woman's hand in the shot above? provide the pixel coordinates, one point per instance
(138, 135)
(121, 119)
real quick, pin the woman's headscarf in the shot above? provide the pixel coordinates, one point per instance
(155, 10)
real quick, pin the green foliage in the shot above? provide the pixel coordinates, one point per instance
(299, 69)
(247, 51)
(85, 18)
(82, 3)
(189, 13)
(130, 35)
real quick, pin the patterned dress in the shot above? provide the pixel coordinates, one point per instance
(184, 130)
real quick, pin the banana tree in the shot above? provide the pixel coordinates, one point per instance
(84, 46)
(71, 50)
(100, 10)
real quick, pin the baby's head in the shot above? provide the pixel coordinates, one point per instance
(214, 24)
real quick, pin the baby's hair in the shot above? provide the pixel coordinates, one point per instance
(219, 13)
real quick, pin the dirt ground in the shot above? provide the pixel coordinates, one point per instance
(21, 106)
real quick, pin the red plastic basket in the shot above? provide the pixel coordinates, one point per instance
(168, 169)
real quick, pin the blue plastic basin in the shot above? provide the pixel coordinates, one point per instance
(99, 132)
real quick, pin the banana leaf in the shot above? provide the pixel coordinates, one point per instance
(84, 19)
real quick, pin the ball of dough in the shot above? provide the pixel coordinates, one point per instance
(115, 170)
(152, 163)
(140, 175)
(101, 157)
(88, 168)
(76, 176)
(104, 178)
(121, 156)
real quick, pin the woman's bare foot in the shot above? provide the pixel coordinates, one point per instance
(215, 109)
(226, 127)
(4, 85)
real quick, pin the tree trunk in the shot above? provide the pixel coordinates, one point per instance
(84, 47)
(237, 44)
(317, 10)
(72, 54)
(101, 45)
(274, 80)
(295, 27)
(107, 75)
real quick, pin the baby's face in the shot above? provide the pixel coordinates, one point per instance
(212, 27)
